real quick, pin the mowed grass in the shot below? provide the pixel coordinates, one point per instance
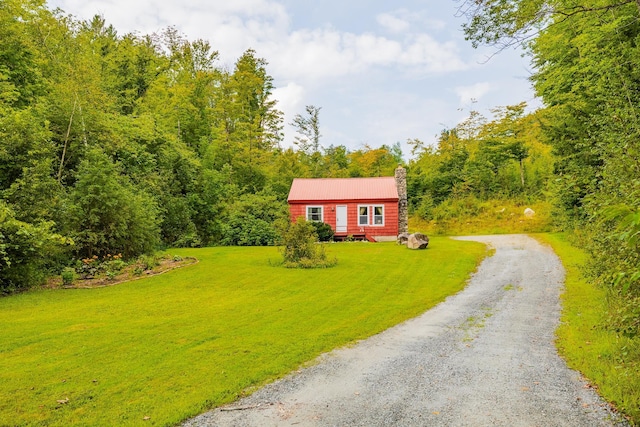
(159, 350)
(610, 362)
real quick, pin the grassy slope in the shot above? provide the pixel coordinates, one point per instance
(602, 356)
(490, 217)
(171, 346)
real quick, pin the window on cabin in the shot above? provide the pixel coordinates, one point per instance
(363, 215)
(314, 214)
(378, 215)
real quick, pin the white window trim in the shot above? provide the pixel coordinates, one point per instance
(306, 210)
(371, 216)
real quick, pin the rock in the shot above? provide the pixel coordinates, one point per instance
(529, 213)
(417, 241)
(402, 238)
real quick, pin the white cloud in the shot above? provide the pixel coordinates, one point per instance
(473, 93)
(265, 25)
(289, 97)
(126, 12)
(326, 53)
(433, 56)
(401, 20)
(393, 23)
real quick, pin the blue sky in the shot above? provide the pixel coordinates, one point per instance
(381, 71)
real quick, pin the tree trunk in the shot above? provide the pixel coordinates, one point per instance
(66, 141)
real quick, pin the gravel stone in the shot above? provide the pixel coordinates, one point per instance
(483, 357)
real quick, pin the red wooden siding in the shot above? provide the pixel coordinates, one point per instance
(389, 229)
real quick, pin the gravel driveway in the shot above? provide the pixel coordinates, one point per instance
(484, 357)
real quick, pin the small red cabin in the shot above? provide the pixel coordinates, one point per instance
(359, 207)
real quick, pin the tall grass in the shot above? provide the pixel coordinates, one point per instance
(470, 216)
(610, 361)
(159, 350)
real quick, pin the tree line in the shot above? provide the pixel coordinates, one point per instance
(120, 144)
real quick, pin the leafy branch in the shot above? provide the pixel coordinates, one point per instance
(504, 24)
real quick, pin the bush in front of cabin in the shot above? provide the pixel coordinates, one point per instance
(323, 230)
(300, 248)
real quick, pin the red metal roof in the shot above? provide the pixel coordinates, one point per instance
(318, 189)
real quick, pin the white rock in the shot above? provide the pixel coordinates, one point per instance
(417, 241)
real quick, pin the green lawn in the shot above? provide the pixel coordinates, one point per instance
(171, 346)
(611, 362)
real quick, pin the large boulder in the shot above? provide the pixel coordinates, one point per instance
(417, 241)
(402, 238)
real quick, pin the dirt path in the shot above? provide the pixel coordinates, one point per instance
(484, 357)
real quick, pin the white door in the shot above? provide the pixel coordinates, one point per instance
(341, 219)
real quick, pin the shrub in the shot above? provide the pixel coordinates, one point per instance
(246, 230)
(323, 231)
(425, 208)
(25, 250)
(115, 265)
(189, 239)
(68, 276)
(300, 248)
(108, 214)
(251, 220)
(149, 261)
(88, 268)
(624, 315)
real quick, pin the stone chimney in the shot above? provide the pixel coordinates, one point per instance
(403, 208)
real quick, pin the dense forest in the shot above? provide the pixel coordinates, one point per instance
(123, 144)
